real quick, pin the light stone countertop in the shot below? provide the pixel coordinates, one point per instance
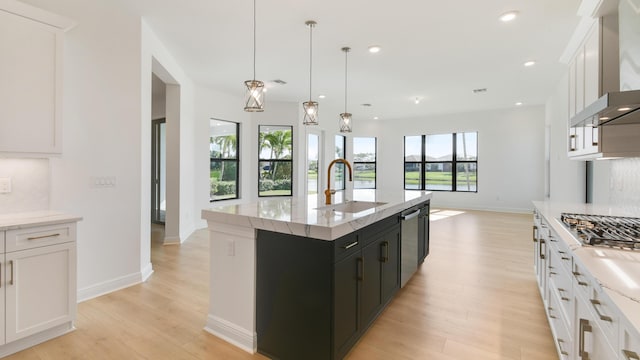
(297, 216)
(617, 271)
(34, 218)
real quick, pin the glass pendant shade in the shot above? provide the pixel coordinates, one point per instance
(345, 122)
(254, 99)
(310, 113)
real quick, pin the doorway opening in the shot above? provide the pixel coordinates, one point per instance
(158, 171)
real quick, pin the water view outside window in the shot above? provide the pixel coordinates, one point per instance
(364, 163)
(446, 162)
(338, 176)
(275, 165)
(224, 159)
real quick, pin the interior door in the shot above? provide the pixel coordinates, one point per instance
(158, 170)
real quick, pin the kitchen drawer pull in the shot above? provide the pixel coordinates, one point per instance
(594, 135)
(11, 266)
(43, 236)
(360, 275)
(562, 351)
(572, 143)
(535, 233)
(581, 283)
(540, 243)
(384, 247)
(584, 327)
(552, 239)
(410, 216)
(347, 247)
(595, 304)
(628, 355)
(561, 290)
(550, 310)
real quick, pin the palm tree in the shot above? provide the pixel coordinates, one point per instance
(279, 142)
(227, 144)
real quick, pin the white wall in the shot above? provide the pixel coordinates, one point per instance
(567, 177)
(510, 155)
(29, 185)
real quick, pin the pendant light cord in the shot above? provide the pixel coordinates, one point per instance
(254, 40)
(310, 57)
(346, 51)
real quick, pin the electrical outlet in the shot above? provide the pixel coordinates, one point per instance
(5, 185)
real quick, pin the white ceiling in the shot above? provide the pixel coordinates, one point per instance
(436, 50)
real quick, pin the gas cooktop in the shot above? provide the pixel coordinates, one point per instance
(599, 230)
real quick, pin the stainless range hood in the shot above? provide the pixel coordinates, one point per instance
(613, 108)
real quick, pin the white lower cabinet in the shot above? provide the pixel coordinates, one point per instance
(629, 342)
(591, 340)
(37, 285)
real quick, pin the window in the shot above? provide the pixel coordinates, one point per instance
(313, 151)
(338, 179)
(224, 160)
(364, 163)
(275, 165)
(445, 162)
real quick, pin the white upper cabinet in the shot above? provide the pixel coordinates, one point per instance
(31, 49)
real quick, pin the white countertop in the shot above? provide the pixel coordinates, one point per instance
(34, 218)
(617, 271)
(298, 216)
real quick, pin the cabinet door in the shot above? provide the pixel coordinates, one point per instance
(371, 291)
(30, 90)
(40, 289)
(423, 234)
(572, 88)
(592, 65)
(346, 296)
(390, 262)
(629, 341)
(591, 341)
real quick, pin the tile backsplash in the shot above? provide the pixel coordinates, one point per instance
(29, 185)
(624, 186)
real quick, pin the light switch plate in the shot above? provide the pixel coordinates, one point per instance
(5, 185)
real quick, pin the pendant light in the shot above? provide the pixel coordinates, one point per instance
(345, 117)
(254, 99)
(310, 107)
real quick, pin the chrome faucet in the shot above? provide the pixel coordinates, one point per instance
(329, 192)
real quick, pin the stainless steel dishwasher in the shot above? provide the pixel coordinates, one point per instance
(409, 244)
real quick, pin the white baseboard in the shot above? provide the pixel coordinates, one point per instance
(35, 339)
(171, 240)
(232, 333)
(112, 285)
(146, 272)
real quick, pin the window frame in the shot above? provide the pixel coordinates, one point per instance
(275, 160)
(453, 162)
(340, 167)
(236, 160)
(375, 163)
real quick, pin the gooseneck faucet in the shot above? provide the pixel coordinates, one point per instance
(328, 192)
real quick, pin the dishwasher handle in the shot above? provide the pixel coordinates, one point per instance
(410, 216)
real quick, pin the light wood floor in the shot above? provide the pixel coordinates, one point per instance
(474, 298)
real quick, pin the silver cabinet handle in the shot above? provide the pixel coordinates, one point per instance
(411, 216)
(562, 256)
(596, 303)
(562, 351)
(535, 233)
(43, 236)
(346, 247)
(628, 355)
(540, 243)
(584, 327)
(594, 135)
(385, 254)
(572, 143)
(11, 266)
(550, 310)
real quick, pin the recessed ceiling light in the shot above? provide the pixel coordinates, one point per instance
(375, 118)
(604, 118)
(624, 109)
(322, 96)
(374, 49)
(417, 100)
(518, 103)
(529, 63)
(508, 16)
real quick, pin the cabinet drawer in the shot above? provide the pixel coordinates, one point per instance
(346, 245)
(560, 283)
(605, 313)
(37, 236)
(370, 232)
(629, 341)
(562, 337)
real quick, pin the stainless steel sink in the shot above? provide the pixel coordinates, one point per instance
(352, 206)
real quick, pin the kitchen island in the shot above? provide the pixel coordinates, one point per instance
(235, 231)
